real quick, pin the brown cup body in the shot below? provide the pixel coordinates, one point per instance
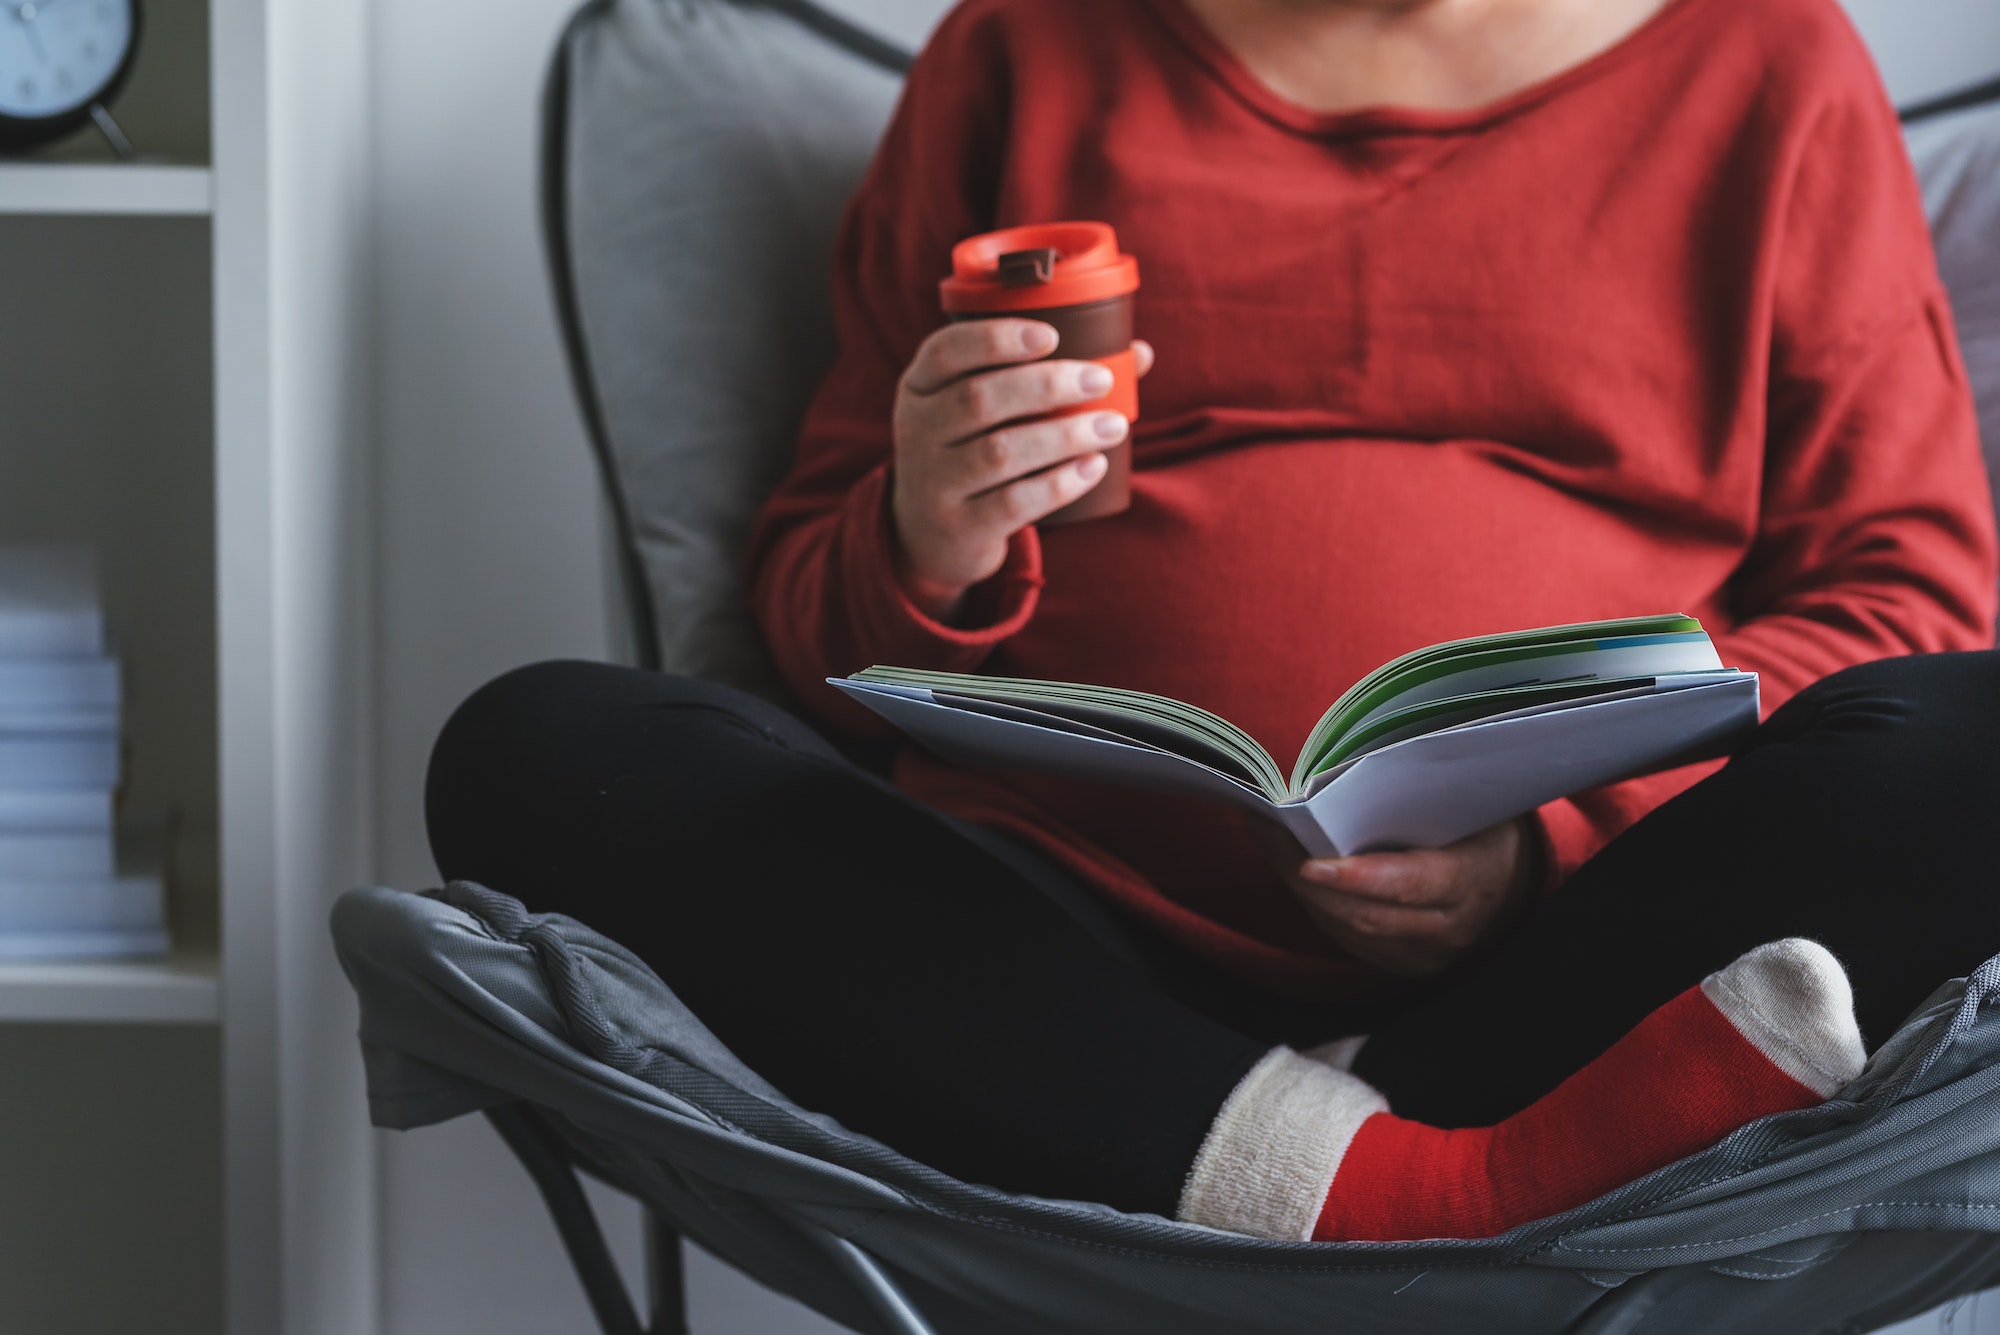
(1092, 331)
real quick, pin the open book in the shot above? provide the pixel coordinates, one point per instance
(1426, 749)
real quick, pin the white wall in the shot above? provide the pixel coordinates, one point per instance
(1927, 47)
(490, 551)
(488, 547)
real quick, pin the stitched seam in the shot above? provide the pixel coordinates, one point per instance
(1768, 1232)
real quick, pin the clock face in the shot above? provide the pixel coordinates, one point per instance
(58, 55)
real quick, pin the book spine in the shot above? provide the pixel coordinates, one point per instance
(37, 854)
(92, 943)
(80, 904)
(69, 634)
(58, 760)
(58, 683)
(45, 811)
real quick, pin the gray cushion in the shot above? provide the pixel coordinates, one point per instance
(1958, 161)
(708, 150)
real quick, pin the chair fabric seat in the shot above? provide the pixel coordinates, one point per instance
(1848, 1216)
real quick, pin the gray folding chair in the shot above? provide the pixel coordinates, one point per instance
(696, 157)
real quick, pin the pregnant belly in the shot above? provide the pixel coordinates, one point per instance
(1260, 582)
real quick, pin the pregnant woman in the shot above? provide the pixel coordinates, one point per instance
(1461, 316)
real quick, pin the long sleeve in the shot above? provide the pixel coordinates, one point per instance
(1875, 535)
(1662, 332)
(823, 581)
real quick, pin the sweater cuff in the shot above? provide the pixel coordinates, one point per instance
(894, 628)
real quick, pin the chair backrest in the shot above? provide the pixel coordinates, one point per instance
(1957, 155)
(696, 158)
(697, 155)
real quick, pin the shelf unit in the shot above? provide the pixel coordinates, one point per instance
(181, 989)
(88, 189)
(183, 363)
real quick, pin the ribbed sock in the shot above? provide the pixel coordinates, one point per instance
(1303, 1150)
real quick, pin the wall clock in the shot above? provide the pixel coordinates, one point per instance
(61, 61)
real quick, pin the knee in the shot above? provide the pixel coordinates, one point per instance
(1922, 722)
(548, 736)
(490, 745)
(507, 714)
(1951, 694)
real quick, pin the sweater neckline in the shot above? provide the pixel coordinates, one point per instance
(1213, 55)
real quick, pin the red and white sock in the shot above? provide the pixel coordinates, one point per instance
(1303, 1150)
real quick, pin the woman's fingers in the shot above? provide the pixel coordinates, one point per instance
(1427, 877)
(1142, 356)
(980, 452)
(1374, 918)
(979, 403)
(958, 350)
(999, 457)
(1420, 879)
(1022, 502)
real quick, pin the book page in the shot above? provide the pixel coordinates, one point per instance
(1157, 720)
(1431, 790)
(1015, 743)
(1446, 671)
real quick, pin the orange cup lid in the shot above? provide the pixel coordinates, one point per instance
(1038, 267)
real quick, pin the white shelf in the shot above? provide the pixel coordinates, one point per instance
(105, 188)
(180, 989)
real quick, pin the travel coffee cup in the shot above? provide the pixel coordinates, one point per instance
(1069, 275)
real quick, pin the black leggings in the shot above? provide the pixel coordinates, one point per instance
(948, 992)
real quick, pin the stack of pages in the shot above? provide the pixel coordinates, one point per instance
(1428, 748)
(61, 893)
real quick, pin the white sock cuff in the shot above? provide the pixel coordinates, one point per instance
(1270, 1155)
(1792, 1001)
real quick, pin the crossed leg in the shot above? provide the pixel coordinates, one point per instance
(886, 964)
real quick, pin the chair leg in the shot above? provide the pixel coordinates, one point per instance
(666, 1283)
(540, 1152)
(888, 1301)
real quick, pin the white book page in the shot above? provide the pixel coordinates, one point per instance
(1647, 660)
(1431, 790)
(985, 739)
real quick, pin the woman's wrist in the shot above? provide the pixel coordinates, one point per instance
(940, 602)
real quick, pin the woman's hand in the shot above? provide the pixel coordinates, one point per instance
(1420, 912)
(971, 471)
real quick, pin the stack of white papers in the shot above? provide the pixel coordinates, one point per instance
(61, 892)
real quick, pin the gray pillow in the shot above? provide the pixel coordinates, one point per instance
(703, 151)
(1958, 162)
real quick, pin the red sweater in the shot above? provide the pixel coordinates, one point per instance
(1662, 333)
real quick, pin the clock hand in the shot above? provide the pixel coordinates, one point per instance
(34, 37)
